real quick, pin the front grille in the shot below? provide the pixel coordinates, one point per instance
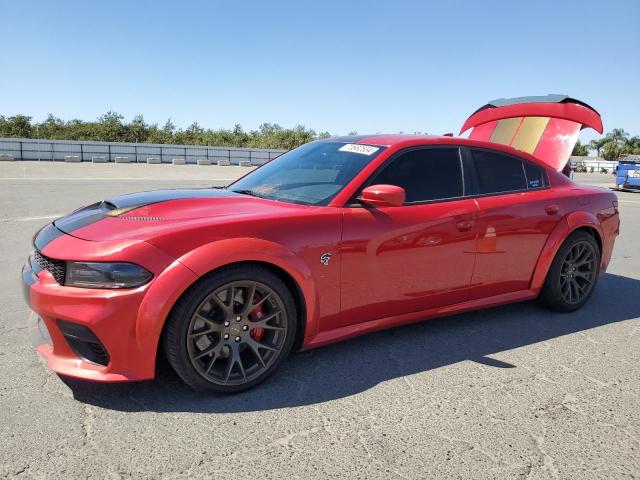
(54, 267)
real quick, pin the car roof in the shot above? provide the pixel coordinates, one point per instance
(401, 140)
(405, 140)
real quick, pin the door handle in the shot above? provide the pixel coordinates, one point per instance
(552, 209)
(464, 225)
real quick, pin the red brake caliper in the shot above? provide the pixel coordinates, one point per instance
(257, 314)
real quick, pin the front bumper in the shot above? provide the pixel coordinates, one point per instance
(59, 313)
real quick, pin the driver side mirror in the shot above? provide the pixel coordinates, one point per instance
(383, 196)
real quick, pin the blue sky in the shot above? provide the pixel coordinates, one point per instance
(334, 65)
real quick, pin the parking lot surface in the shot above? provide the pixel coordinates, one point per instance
(511, 392)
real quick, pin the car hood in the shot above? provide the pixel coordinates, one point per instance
(145, 214)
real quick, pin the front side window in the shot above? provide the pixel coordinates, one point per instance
(498, 173)
(312, 174)
(425, 174)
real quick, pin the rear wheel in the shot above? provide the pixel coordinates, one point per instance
(231, 330)
(573, 273)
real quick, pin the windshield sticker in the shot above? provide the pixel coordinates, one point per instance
(362, 149)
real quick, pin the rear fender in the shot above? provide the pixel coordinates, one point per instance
(587, 219)
(563, 229)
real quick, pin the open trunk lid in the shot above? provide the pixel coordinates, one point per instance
(546, 127)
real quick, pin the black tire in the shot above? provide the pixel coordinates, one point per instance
(573, 274)
(214, 297)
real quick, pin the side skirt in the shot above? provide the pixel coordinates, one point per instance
(349, 331)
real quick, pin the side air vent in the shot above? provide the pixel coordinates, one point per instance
(84, 342)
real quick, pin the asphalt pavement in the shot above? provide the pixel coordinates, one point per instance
(510, 392)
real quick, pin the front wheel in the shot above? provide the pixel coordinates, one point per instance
(573, 273)
(231, 330)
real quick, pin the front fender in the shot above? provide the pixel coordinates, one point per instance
(158, 301)
(214, 255)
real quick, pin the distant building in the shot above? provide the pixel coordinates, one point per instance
(595, 164)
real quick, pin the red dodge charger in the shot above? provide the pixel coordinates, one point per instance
(334, 239)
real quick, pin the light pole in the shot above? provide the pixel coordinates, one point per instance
(38, 135)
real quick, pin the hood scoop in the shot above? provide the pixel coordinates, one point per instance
(116, 207)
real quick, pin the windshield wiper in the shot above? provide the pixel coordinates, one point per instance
(251, 193)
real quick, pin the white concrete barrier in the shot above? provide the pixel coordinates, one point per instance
(224, 163)
(72, 158)
(203, 161)
(244, 163)
(99, 159)
(154, 160)
(179, 161)
(5, 157)
(121, 159)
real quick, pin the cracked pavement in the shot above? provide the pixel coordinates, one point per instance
(511, 392)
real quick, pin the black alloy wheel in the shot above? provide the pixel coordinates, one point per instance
(231, 330)
(573, 274)
(578, 272)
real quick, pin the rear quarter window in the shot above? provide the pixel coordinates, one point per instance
(498, 173)
(536, 176)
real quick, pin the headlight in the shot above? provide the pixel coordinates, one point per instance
(105, 275)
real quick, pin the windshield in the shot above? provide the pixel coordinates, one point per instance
(311, 174)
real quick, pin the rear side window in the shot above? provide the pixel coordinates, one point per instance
(536, 177)
(426, 174)
(498, 173)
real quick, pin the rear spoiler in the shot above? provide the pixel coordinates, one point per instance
(546, 127)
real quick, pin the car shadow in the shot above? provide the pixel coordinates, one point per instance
(350, 367)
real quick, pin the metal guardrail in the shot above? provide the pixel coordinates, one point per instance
(57, 150)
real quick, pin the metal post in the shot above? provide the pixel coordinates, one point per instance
(38, 133)
(250, 157)
(81, 153)
(21, 158)
(109, 150)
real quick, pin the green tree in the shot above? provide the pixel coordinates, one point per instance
(193, 135)
(616, 141)
(580, 150)
(18, 126)
(110, 127)
(597, 144)
(137, 130)
(632, 147)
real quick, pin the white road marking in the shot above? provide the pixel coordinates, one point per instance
(31, 219)
(91, 179)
